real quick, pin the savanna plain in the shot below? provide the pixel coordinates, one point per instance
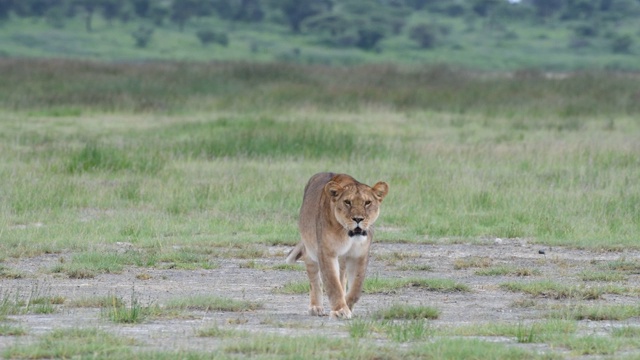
(146, 210)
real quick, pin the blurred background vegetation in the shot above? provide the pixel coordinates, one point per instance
(552, 35)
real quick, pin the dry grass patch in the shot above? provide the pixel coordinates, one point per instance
(471, 262)
(212, 303)
(558, 291)
(506, 270)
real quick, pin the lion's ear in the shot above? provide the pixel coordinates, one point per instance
(333, 189)
(380, 189)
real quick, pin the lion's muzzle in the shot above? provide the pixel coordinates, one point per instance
(357, 231)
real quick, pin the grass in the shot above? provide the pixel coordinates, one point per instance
(376, 285)
(88, 264)
(212, 303)
(597, 312)
(624, 265)
(121, 313)
(506, 270)
(415, 267)
(175, 176)
(184, 166)
(118, 311)
(218, 332)
(383, 285)
(36, 301)
(407, 312)
(471, 262)
(252, 264)
(535, 332)
(7, 273)
(89, 342)
(10, 330)
(472, 349)
(554, 290)
(75, 342)
(393, 258)
(603, 276)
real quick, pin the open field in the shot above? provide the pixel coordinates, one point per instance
(147, 210)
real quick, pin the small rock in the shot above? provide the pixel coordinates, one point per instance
(541, 251)
(498, 241)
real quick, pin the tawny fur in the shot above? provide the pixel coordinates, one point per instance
(335, 225)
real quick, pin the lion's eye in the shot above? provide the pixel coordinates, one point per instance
(347, 202)
(367, 203)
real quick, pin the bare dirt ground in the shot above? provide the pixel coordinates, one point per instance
(287, 314)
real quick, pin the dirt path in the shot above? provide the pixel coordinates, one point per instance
(286, 314)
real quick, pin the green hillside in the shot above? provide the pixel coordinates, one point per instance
(480, 34)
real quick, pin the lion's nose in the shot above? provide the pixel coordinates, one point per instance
(357, 219)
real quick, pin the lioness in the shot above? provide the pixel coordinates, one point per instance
(335, 225)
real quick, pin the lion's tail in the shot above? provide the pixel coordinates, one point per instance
(296, 253)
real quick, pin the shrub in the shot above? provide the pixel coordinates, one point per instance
(142, 36)
(426, 35)
(207, 37)
(621, 44)
(368, 38)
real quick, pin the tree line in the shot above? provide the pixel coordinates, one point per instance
(339, 23)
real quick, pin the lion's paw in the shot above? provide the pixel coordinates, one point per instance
(343, 313)
(316, 311)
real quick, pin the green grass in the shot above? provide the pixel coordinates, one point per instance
(7, 273)
(626, 331)
(415, 267)
(121, 313)
(506, 270)
(384, 285)
(216, 331)
(376, 285)
(185, 166)
(597, 312)
(393, 258)
(624, 265)
(604, 276)
(10, 330)
(407, 312)
(68, 343)
(181, 176)
(535, 332)
(554, 290)
(471, 262)
(90, 263)
(212, 303)
(456, 348)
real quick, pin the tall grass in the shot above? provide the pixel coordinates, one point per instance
(225, 157)
(63, 87)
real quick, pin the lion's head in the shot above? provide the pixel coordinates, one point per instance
(356, 206)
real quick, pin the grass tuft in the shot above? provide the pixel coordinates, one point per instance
(471, 262)
(95, 157)
(407, 312)
(547, 288)
(72, 343)
(597, 312)
(212, 303)
(9, 330)
(505, 270)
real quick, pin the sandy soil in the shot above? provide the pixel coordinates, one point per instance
(287, 314)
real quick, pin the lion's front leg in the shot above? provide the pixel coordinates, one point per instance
(356, 270)
(315, 293)
(331, 278)
(343, 273)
